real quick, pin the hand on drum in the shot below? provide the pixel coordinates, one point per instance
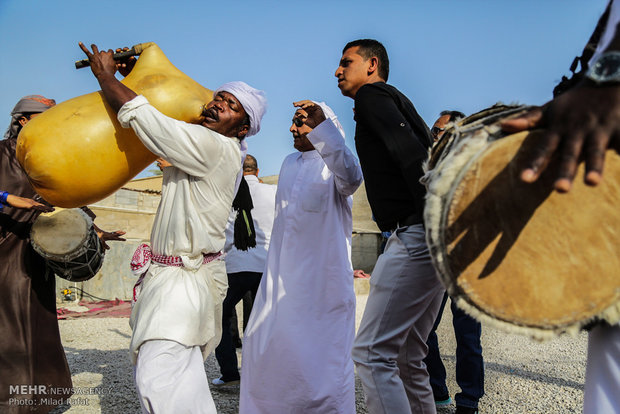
(27, 204)
(105, 236)
(581, 124)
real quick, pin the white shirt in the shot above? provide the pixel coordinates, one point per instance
(197, 191)
(253, 259)
(297, 345)
(184, 304)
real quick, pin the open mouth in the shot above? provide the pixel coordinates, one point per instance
(211, 115)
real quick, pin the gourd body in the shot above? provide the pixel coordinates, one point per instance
(76, 153)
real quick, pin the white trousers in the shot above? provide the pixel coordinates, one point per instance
(602, 391)
(171, 379)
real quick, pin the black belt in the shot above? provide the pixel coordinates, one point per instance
(415, 218)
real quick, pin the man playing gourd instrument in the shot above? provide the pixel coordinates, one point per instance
(176, 319)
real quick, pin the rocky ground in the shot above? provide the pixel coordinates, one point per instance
(522, 376)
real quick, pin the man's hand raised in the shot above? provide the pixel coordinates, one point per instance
(126, 65)
(100, 62)
(314, 111)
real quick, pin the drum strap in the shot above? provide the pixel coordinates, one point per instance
(567, 83)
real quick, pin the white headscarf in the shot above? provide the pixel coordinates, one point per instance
(253, 101)
(329, 114)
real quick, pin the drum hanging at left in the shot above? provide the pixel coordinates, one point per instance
(68, 242)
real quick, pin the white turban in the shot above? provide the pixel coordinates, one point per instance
(253, 101)
(329, 114)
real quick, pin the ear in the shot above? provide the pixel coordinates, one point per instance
(373, 65)
(243, 131)
(23, 120)
(257, 170)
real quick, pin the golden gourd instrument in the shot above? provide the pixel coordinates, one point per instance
(76, 153)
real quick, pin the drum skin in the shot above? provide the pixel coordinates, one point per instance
(59, 234)
(76, 153)
(523, 254)
(68, 242)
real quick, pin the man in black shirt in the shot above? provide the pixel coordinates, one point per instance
(392, 142)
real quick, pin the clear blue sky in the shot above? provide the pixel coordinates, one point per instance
(459, 54)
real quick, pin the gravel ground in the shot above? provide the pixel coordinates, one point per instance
(522, 376)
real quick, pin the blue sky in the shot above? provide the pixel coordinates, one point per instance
(464, 55)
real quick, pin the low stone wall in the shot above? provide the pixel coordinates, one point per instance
(115, 280)
(132, 209)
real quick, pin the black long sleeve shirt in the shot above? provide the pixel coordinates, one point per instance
(392, 142)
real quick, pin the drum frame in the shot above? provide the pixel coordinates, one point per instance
(452, 158)
(81, 264)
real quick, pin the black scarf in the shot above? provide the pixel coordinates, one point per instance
(244, 233)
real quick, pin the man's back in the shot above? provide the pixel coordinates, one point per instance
(392, 141)
(253, 259)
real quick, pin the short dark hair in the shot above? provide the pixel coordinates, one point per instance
(369, 48)
(454, 115)
(250, 164)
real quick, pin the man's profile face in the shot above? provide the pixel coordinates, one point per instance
(439, 127)
(224, 114)
(300, 132)
(352, 72)
(23, 120)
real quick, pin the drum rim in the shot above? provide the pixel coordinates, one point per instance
(94, 262)
(69, 256)
(437, 245)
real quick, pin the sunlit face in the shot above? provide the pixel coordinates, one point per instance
(300, 131)
(225, 115)
(352, 72)
(439, 127)
(23, 120)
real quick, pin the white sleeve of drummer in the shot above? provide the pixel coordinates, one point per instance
(610, 30)
(192, 148)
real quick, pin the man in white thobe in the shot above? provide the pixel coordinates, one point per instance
(244, 267)
(297, 345)
(176, 319)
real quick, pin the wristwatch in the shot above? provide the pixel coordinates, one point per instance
(606, 69)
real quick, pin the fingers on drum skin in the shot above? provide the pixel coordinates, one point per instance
(594, 151)
(569, 151)
(529, 120)
(540, 156)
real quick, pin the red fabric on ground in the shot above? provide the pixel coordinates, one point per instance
(103, 309)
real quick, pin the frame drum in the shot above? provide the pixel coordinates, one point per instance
(521, 256)
(68, 242)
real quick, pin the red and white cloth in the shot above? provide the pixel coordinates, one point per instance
(142, 258)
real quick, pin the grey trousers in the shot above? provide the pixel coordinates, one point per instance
(603, 371)
(405, 296)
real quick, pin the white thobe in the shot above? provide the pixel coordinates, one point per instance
(183, 304)
(253, 259)
(603, 365)
(297, 345)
